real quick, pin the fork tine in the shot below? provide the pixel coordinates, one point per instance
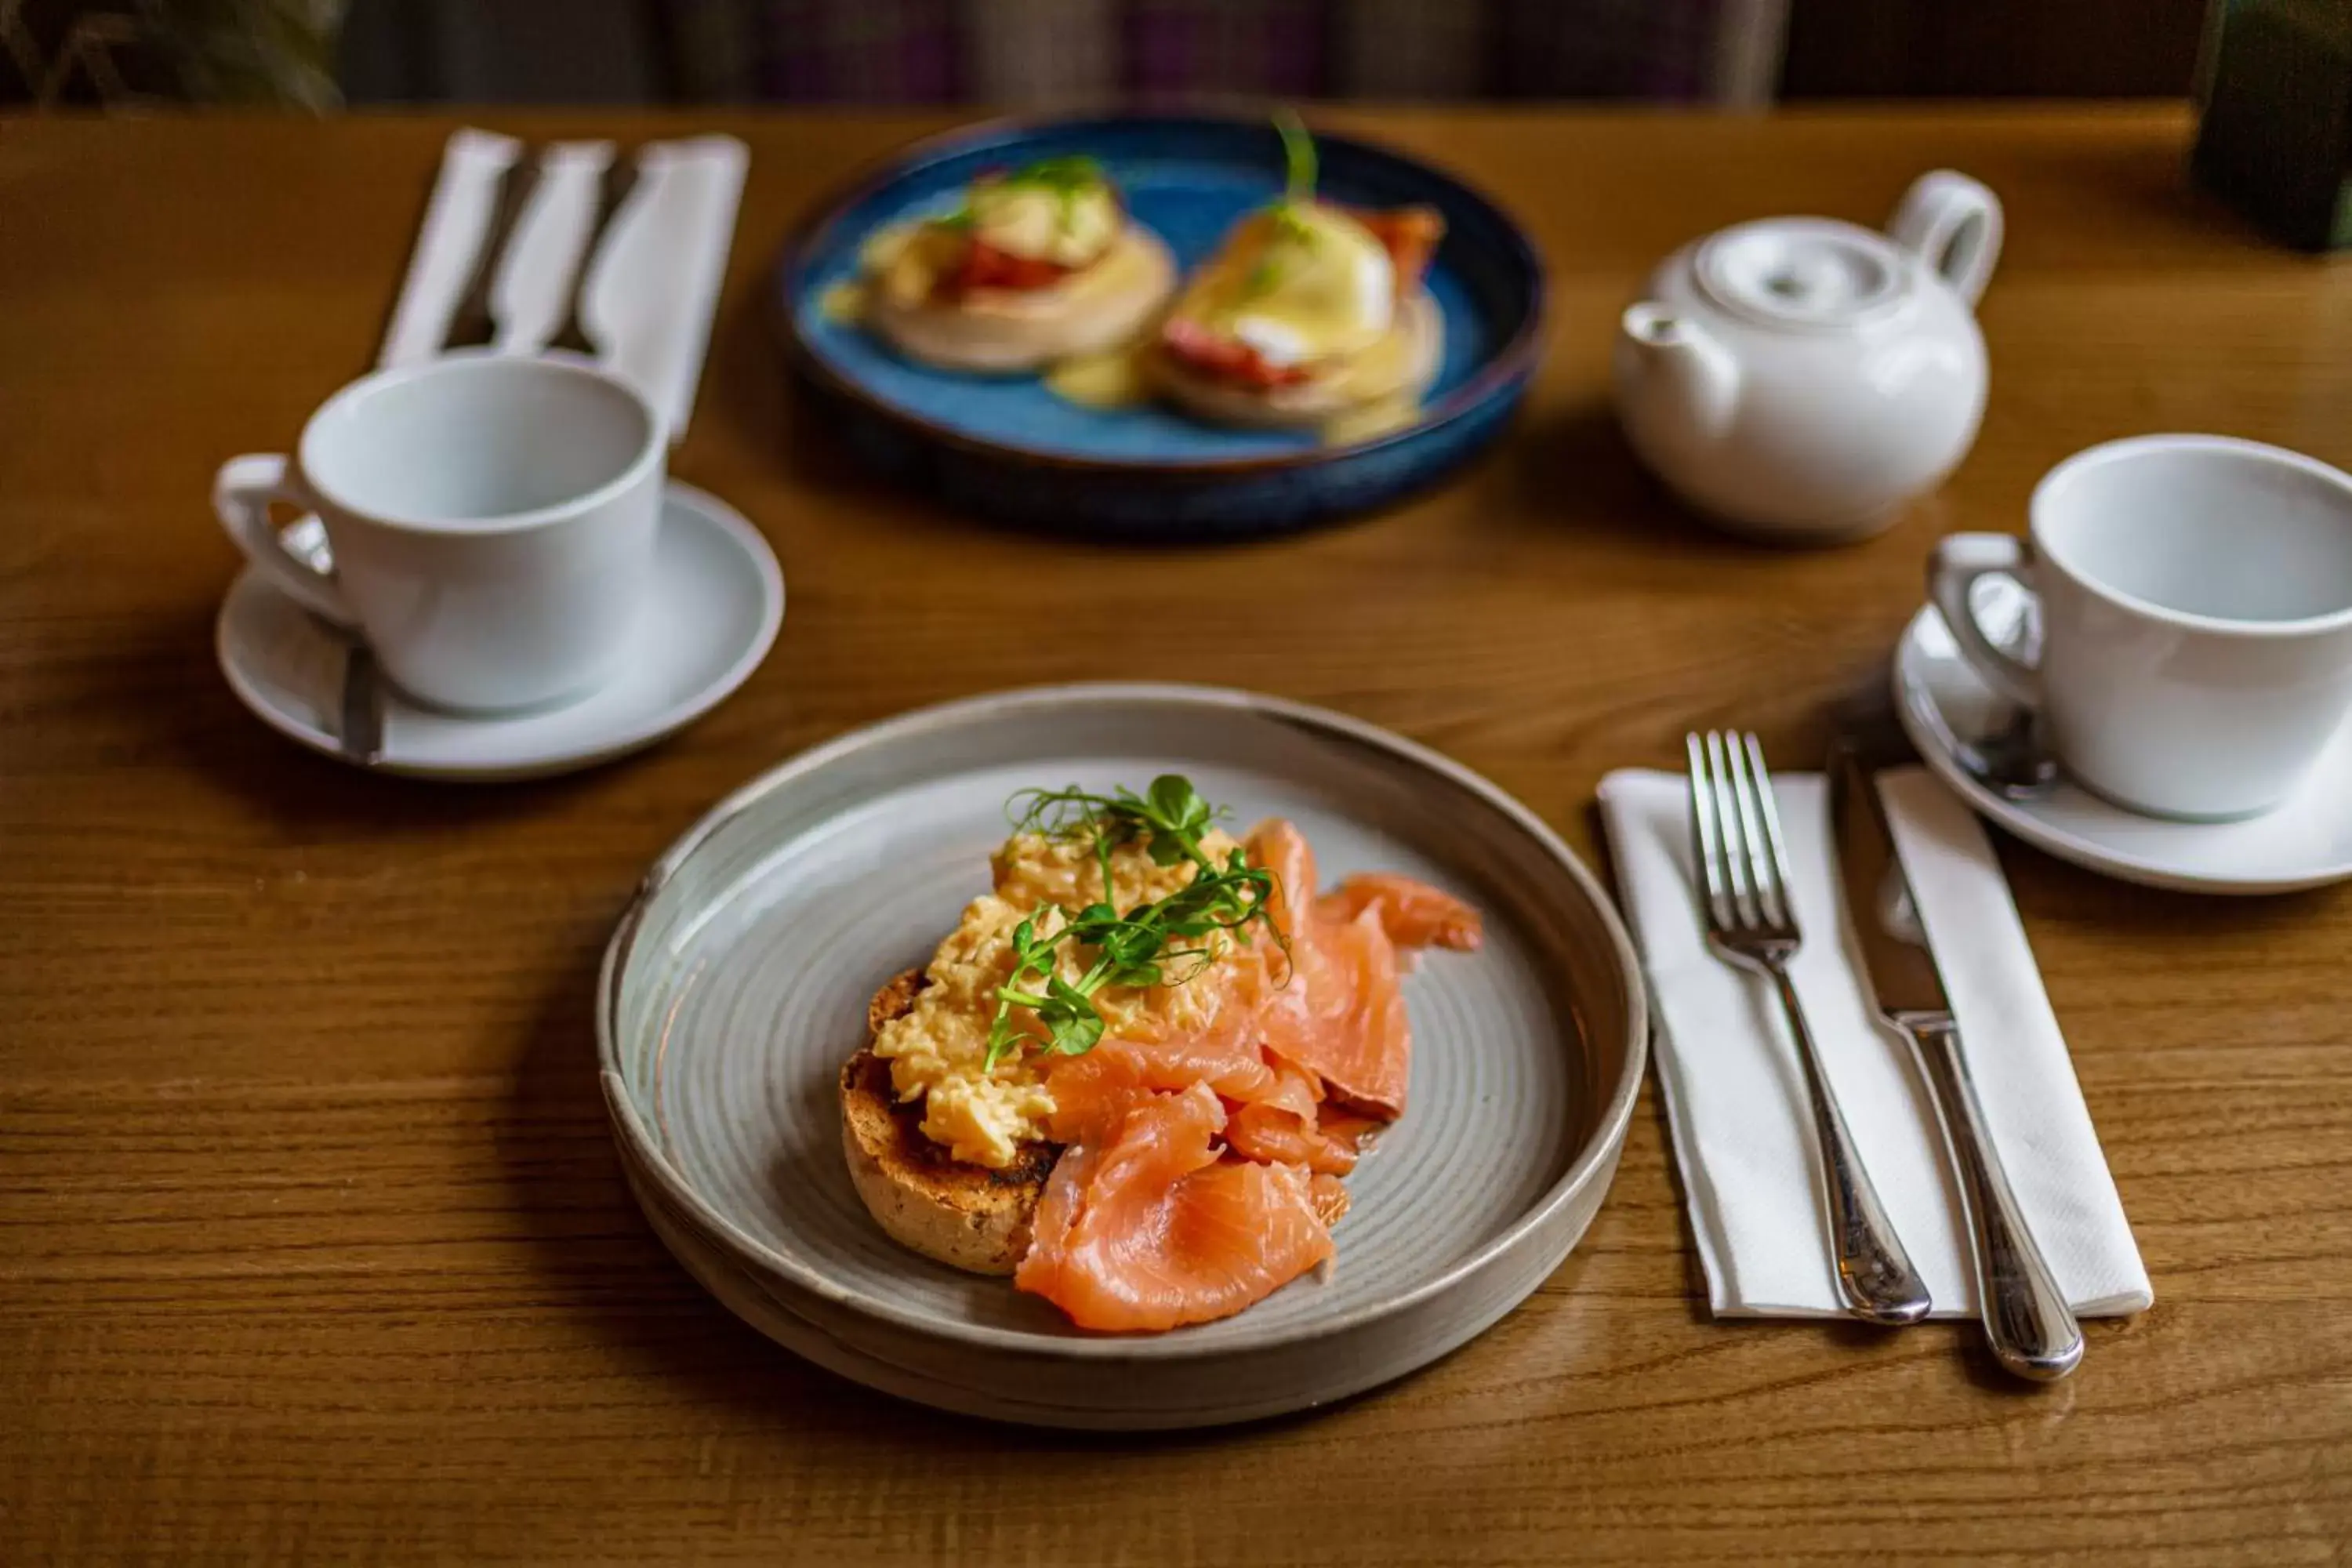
(1754, 852)
(1738, 864)
(1707, 835)
(1774, 847)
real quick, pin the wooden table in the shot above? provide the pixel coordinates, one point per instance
(312, 1243)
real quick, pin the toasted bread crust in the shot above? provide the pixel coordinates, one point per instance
(968, 1215)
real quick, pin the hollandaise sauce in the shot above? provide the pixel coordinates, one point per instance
(883, 245)
(843, 303)
(1371, 421)
(1114, 379)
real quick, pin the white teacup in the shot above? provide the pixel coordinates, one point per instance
(493, 520)
(2196, 613)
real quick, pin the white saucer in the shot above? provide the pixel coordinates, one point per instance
(718, 601)
(2304, 843)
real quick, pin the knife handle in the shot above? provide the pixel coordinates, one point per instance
(2032, 1331)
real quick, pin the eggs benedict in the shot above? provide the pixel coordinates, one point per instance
(1310, 314)
(1036, 265)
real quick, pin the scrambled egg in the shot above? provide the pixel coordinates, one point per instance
(937, 1049)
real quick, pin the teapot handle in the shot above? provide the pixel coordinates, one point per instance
(1954, 223)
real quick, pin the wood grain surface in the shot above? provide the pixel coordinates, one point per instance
(312, 1243)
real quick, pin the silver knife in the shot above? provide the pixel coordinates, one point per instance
(2033, 1331)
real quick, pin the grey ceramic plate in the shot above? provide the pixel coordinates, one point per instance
(738, 983)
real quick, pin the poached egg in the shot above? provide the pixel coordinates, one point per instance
(1299, 284)
(1069, 226)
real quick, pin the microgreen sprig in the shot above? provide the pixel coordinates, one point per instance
(1164, 942)
(1067, 178)
(1288, 217)
(1298, 163)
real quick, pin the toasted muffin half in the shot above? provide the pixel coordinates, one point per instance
(1008, 332)
(1409, 366)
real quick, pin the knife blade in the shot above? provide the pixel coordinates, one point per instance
(2027, 1321)
(1900, 974)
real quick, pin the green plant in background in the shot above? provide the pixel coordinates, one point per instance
(129, 53)
(120, 54)
(252, 51)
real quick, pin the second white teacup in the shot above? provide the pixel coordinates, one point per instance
(2196, 613)
(492, 519)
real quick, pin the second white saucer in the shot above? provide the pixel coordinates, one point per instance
(717, 600)
(2305, 842)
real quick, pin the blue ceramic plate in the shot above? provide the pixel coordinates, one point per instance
(1009, 448)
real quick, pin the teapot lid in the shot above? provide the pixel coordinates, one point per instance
(1806, 273)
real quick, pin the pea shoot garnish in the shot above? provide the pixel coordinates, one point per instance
(1287, 217)
(1165, 943)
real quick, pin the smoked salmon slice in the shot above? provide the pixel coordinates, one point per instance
(1342, 1016)
(1287, 1126)
(1415, 914)
(1330, 1196)
(1202, 1162)
(1088, 1088)
(1282, 850)
(1269, 1132)
(1148, 1230)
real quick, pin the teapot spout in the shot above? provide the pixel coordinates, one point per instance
(1673, 361)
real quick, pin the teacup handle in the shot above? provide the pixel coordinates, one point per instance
(1952, 573)
(242, 492)
(1954, 223)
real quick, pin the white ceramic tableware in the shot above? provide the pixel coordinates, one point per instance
(2305, 841)
(1801, 378)
(492, 522)
(2195, 596)
(715, 600)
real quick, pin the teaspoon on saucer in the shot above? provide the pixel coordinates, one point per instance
(360, 734)
(2010, 761)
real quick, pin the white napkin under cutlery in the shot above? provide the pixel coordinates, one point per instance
(651, 283)
(1735, 1097)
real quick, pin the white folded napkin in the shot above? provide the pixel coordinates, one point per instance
(457, 223)
(651, 281)
(1736, 1101)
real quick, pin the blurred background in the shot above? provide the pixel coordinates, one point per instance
(321, 55)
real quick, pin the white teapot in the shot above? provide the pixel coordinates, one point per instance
(1799, 378)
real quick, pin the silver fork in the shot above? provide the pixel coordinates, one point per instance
(1751, 923)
